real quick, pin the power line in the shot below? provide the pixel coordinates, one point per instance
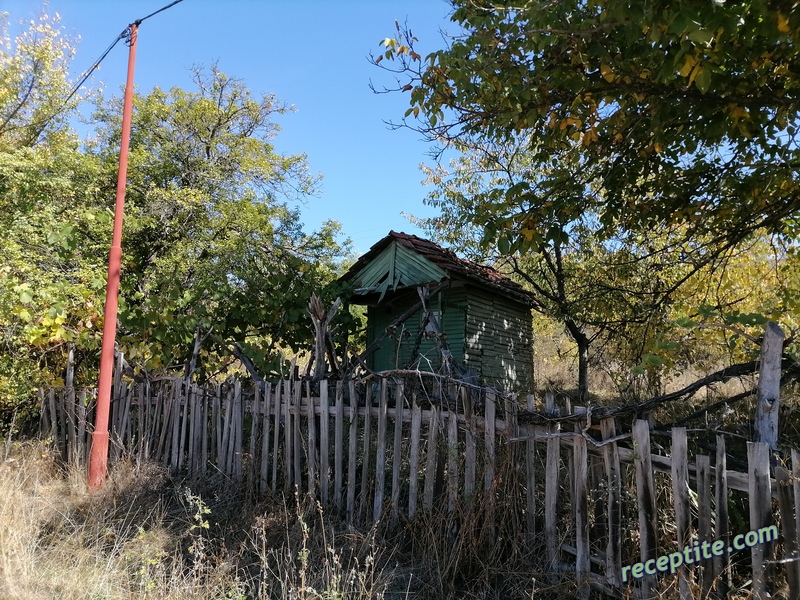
(162, 9)
(124, 35)
(96, 64)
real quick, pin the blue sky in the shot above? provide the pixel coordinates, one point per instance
(310, 53)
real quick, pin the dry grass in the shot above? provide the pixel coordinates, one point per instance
(149, 535)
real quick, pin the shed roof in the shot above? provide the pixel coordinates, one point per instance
(446, 261)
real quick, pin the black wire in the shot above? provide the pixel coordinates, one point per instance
(96, 64)
(125, 34)
(139, 21)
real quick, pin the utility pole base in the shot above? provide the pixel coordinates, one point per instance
(98, 460)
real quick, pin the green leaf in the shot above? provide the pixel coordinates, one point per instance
(703, 79)
(701, 36)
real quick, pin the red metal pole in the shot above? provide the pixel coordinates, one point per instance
(98, 459)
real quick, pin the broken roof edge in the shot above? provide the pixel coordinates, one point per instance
(448, 261)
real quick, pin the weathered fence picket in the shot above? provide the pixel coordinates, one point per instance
(553, 469)
(646, 493)
(352, 452)
(680, 499)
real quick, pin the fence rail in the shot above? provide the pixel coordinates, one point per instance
(591, 499)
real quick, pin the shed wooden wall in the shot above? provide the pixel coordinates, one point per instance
(499, 340)
(392, 354)
(487, 331)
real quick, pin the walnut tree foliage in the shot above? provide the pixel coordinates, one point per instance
(614, 154)
(673, 112)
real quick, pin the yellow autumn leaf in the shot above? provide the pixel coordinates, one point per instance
(783, 23)
(695, 72)
(605, 71)
(691, 61)
(527, 234)
(738, 112)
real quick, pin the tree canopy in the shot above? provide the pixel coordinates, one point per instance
(216, 263)
(616, 157)
(670, 112)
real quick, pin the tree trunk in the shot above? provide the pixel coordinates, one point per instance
(583, 369)
(582, 340)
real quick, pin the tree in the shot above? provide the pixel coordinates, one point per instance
(33, 77)
(678, 113)
(211, 243)
(216, 266)
(601, 288)
(645, 133)
(45, 297)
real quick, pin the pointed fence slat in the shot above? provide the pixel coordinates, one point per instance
(790, 541)
(313, 453)
(71, 421)
(613, 502)
(288, 437)
(530, 482)
(582, 566)
(54, 415)
(397, 455)
(276, 435)
(352, 453)
(324, 430)
(380, 454)
(204, 428)
(470, 461)
(721, 528)
(185, 422)
(758, 454)
(452, 460)
(297, 441)
(217, 420)
(176, 427)
(338, 446)
(191, 413)
(489, 475)
(680, 498)
(255, 412)
(703, 481)
(144, 423)
(414, 453)
(431, 460)
(646, 495)
(267, 407)
(552, 468)
(366, 454)
(81, 415)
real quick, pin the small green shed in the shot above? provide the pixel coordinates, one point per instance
(483, 317)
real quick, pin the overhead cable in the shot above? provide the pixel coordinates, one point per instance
(124, 35)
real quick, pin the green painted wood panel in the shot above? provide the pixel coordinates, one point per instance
(499, 339)
(397, 267)
(396, 350)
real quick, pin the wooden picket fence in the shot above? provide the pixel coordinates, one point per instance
(591, 498)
